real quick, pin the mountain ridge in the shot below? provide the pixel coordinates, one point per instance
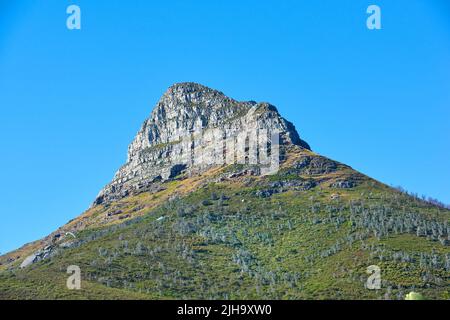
(200, 226)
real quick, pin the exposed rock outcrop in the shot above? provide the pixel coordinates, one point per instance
(45, 253)
(192, 128)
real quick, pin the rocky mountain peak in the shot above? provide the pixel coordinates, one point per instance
(195, 127)
(189, 95)
(189, 91)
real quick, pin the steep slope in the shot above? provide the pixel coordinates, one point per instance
(175, 223)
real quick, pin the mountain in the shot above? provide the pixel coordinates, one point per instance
(221, 199)
(189, 119)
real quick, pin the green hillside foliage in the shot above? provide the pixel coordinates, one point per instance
(251, 239)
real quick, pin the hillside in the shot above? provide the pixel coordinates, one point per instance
(176, 223)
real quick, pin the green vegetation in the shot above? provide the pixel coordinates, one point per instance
(256, 238)
(414, 296)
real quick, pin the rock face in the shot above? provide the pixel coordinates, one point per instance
(45, 253)
(192, 128)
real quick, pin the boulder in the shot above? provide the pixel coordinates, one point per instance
(343, 184)
(29, 261)
(43, 254)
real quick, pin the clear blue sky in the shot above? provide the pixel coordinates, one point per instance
(71, 101)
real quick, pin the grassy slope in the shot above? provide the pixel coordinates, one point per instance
(294, 244)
